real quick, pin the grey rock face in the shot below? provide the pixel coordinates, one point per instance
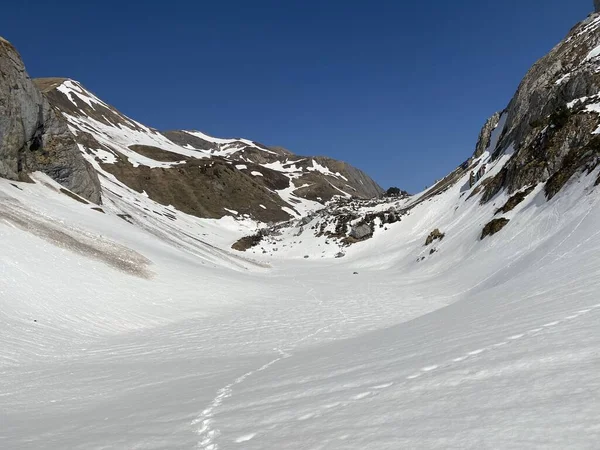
(33, 136)
(361, 232)
(597, 5)
(548, 124)
(485, 134)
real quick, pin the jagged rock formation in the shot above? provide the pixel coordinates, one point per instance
(199, 174)
(33, 136)
(483, 142)
(597, 5)
(552, 121)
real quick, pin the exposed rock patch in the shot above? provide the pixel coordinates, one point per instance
(435, 235)
(515, 200)
(485, 135)
(493, 227)
(33, 136)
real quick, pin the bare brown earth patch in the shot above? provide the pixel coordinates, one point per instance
(157, 154)
(205, 187)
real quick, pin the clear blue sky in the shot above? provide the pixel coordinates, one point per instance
(397, 88)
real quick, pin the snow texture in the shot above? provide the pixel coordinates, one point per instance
(136, 327)
(149, 333)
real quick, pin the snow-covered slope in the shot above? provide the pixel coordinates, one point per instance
(466, 316)
(119, 335)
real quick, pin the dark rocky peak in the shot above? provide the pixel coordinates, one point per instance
(597, 5)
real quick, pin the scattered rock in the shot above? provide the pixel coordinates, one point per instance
(435, 235)
(248, 242)
(494, 227)
(512, 202)
(361, 232)
(126, 217)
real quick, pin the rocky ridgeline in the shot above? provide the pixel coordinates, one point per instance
(33, 136)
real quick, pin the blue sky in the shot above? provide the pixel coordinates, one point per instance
(397, 88)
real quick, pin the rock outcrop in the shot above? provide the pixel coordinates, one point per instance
(33, 136)
(485, 135)
(597, 5)
(552, 121)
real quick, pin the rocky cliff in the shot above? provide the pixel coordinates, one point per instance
(552, 122)
(33, 136)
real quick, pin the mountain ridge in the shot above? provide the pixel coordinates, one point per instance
(268, 184)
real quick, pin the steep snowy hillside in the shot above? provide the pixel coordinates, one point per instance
(466, 316)
(196, 173)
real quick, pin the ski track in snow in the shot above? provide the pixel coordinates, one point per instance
(208, 432)
(430, 369)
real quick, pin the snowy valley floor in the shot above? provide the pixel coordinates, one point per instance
(116, 336)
